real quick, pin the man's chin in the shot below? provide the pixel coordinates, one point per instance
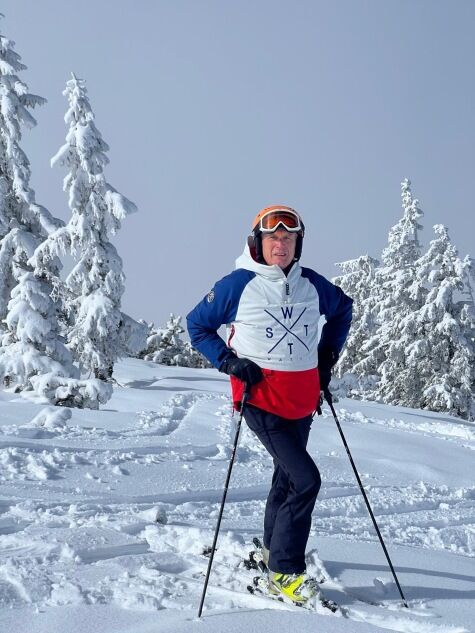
(282, 263)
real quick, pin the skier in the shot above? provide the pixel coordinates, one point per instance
(271, 307)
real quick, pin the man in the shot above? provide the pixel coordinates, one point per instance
(271, 307)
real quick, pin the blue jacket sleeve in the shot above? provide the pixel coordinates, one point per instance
(337, 308)
(219, 307)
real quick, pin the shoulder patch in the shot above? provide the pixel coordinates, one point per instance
(210, 296)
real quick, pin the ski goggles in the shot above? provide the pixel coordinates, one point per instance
(272, 220)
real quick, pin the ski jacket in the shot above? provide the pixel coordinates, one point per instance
(273, 320)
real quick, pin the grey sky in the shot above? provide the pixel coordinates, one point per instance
(215, 109)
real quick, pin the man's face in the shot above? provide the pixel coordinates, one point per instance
(279, 247)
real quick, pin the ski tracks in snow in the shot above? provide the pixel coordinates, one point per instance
(51, 542)
(433, 515)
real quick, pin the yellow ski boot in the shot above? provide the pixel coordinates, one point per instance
(298, 588)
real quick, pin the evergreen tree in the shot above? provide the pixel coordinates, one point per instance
(31, 347)
(166, 347)
(358, 282)
(164, 344)
(441, 361)
(399, 294)
(467, 275)
(20, 218)
(96, 283)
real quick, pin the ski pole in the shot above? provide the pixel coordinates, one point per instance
(225, 492)
(329, 399)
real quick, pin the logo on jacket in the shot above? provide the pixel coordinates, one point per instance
(210, 296)
(287, 313)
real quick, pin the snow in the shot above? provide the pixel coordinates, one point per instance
(104, 514)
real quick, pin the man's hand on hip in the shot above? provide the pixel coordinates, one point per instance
(244, 369)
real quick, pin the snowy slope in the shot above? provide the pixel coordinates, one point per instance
(104, 514)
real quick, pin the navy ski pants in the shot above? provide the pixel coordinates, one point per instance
(295, 485)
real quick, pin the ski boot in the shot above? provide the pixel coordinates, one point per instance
(298, 588)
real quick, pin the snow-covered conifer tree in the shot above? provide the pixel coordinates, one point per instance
(166, 347)
(467, 275)
(164, 344)
(31, 347)
(440, 364)
(358, 282)
(96, 283)
(400, 294)
(20, 222)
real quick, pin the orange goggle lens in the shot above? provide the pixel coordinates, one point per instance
(271, 221)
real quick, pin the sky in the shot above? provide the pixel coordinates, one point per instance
(216, 109)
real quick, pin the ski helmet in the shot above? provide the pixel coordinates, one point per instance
(269, 220)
